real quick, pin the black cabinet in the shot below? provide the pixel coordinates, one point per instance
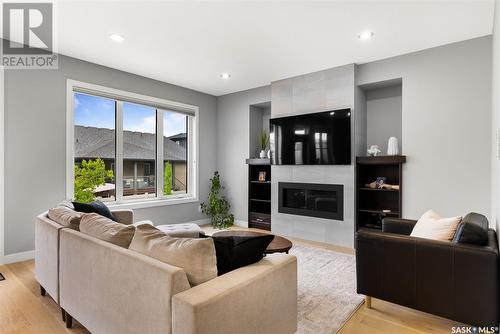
(373, 202)
(259, 193)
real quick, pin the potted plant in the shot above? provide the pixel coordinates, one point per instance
(264, 143)
(217, 206)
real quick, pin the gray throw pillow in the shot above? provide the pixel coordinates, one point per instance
(65, 217)
(105, 229)
(196, 256)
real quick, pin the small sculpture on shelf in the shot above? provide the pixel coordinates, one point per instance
(380, 184)
(392, 146)
(374, 150)
(262, 176)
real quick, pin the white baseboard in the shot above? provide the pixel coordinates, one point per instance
(206, 221)
(200, 221)
(18, 257)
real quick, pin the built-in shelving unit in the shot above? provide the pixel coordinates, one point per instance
(259, 193)
(373, 204)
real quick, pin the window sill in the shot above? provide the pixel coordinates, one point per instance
(142, 204)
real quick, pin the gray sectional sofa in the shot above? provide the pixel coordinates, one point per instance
(110, 289)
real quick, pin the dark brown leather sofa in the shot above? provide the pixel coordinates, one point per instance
(458, 281)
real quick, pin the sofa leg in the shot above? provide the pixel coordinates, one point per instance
(42, 290)
(368, 301)
(63, 314)
(69, 320)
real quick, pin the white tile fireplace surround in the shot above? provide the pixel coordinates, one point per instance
(319, 91)
(311, 228)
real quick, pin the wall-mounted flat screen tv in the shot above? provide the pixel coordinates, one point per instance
(322, 138)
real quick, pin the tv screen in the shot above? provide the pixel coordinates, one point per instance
(322, 138)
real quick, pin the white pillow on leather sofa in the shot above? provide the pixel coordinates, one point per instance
(433, 226)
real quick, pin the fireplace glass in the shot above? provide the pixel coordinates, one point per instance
(311, 199)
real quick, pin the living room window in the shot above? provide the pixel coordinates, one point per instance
(129, 149)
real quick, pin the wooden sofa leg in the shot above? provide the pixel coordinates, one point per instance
(42, 290)
(368, 301)
(63, 314)
(69, 320)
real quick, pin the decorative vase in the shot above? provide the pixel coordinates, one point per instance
(392, 146)
(263, 154)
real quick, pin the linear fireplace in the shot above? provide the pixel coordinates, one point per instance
(311, 199)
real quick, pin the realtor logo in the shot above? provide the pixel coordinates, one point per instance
(28, 36)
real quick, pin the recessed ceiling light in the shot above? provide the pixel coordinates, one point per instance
(225, 76)
(365, 35)
(116, 38)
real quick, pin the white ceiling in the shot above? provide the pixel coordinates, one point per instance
(190, 43)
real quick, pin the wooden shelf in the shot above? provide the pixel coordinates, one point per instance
(380, 212)
(265, 182)
(382, 160)
(260, 213)
(376, 189)
(260, 200)
(258, 161)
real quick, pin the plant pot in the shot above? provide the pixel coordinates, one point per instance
(263, 154)
(223, 221)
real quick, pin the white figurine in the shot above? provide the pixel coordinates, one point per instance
(374, 150)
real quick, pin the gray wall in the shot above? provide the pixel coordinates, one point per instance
(233, 112)
(35, 112)
(259, 121)
(495, 138)
(383, 110)
(255, 130)
(266, 116)
(446, 125)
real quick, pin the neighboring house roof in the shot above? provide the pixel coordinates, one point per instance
(181, 135)
(91, 142)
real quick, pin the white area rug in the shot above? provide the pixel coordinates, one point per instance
(327, 289)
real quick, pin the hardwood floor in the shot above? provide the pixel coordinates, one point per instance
(24, 310)
(388, 318)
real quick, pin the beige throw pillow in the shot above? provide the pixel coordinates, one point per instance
(195, 256)
(65, 217)
(432, 226)
(105, 229)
